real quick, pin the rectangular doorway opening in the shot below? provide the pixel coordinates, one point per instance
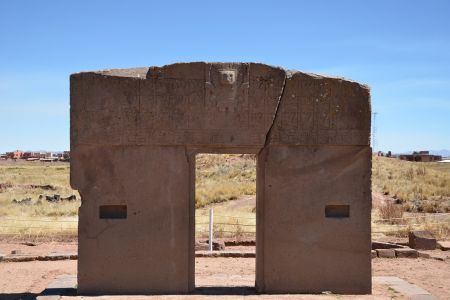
(225, 206)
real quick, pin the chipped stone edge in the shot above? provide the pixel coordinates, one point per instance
(140, 72)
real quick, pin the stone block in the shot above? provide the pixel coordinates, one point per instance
(227, 253)
(281, 202)
(134, 137)
(373, 253)
(444, 245)
(199, 246)
(386, 253)
(423, 254)
(422, 240)
(406, 252)
(218, 245)
(384, 245)
(409, 290)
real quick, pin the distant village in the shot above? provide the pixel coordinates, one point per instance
(36, 156)
(418, 156)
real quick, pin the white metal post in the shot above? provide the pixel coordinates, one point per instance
(211, 232)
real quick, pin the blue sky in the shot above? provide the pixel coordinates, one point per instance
(401, 49)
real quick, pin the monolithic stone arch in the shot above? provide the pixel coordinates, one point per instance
(134, 136)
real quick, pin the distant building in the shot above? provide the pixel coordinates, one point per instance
(420, 156)
(37, 155)
(50, 156)
(33, 155)
(14, 155)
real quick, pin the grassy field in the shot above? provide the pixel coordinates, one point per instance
(225, 177)
(30, 180)
(35, 180)
(417, 188)
(239, 223)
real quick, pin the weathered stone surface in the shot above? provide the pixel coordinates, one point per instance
(134, 137)
(217, 245)
(19, 258)
(386, 253)
(424, 255)
(149, 250)
(438, 258)
(444, 245)
(300, 235)
(411, 291)
(59, 256)
(199, 246)
(63, 285)
(422, 239)
(385, 245)
(232, 104)
(373, 254)
(406, 252)
(24, 258)
(240, 243)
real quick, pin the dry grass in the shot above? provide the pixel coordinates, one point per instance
(391, 212)
(438, 224)
(419, 187)
(420, 190)
(38, 227)
(21, 180)
(220, 178)
(237, 225)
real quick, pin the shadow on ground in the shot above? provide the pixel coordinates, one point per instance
(213, 290)
(17, 296)
(219, 290)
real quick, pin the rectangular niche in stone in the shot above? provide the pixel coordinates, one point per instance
(337, 211)
(113, 212)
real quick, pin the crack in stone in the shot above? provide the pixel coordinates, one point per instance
(186, 154)
(95, 237)
(266, 139)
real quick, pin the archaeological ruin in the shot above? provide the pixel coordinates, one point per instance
(134, 137)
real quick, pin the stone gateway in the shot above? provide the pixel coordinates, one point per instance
(134, 137)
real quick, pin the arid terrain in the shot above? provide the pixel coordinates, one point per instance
(230, 276)
(406, 196)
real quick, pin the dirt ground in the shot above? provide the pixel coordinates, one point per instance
(25, 280)
(22, 280)
(37, 248)
(429, 274)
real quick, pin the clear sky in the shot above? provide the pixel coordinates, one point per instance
(401, 49)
